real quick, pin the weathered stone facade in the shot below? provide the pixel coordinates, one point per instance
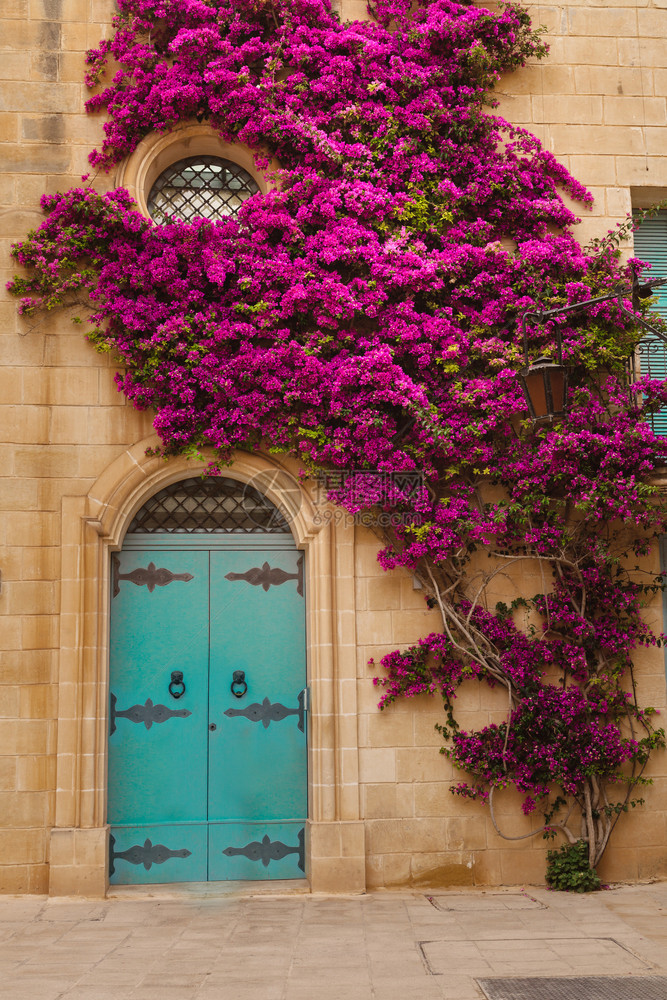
(73, 471)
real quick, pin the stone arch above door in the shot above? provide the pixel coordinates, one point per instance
(93, 526)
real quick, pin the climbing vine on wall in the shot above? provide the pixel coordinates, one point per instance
(363, 316)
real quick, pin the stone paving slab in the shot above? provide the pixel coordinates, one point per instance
(267, 943)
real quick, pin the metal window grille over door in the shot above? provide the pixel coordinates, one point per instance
(203, 506)
(201, 187)
(651, 246)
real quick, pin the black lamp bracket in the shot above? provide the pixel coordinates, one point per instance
(619, 294)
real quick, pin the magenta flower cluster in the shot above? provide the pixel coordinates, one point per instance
(363, 315)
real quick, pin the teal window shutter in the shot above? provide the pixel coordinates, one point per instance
(651, 246)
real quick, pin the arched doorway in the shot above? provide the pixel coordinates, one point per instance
(207, 729)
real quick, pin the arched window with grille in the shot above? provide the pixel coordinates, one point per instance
(207, 187)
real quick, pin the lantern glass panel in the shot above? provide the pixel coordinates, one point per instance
(536, 393)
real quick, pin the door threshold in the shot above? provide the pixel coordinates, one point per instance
(210, 890)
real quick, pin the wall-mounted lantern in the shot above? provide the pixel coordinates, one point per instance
(544, 381)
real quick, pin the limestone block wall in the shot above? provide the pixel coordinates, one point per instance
(598, 103)
(61, 419)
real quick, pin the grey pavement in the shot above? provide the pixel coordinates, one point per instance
(261, 941)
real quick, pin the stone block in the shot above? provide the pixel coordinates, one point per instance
(585, 51)
(426, 735)
(93, 459)
(389, 729)
(9, 130)
(28, 736)
(619, 864)
(24, 424)
(651, 23)
(71, 389)
(15, 8)
(61, 10)
(15, 879)
(31, 35)
(380, 801)
(9, 701)
(466, 833)
(432, 798)
(644, 52)
(377, 765)
(11, 384)
(38, 701)
(618, 201)
(72, 68)
(422, 764)
(618, 23)
(486, 868)
(74, 349)
(24, 809)
(417, 835)
(11, 631)
(336, 853)
(19, 494)
(35, 98)
(89, 881)
(383, 593)
(40, 563)
(526, 867)
(365, 554)
(38, 879)
(515, 108)
(36, 774)
(354, 10)
(641, 826)
(539, 79)
(8, 767)
(587, 139)
(388, 870)
(374, 627)
(652, 863)
(32, 597)
(443, 869)
(8, 197)
(23, 847)
(635, 111)
(39, 632)
(593, 170)
(409, 626)
(567, 109)
(44, 66)
(331, 875)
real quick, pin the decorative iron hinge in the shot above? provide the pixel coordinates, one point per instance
(269, 712)
(148, 713)
(267, 850)
(266, 576)
(147, 855)
(150, 577)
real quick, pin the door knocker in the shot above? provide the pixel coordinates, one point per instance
(177, 684)
(239, 681)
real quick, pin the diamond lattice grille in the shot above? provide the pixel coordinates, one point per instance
(202, 506)
(200, 187)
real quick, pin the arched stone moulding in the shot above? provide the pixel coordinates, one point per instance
(158, 151)
(93, 526)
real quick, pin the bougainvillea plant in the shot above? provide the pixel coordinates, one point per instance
(363, 316)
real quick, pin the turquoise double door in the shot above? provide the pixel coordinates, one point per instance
(207, 731)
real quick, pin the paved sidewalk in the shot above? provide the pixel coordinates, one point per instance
(261, 942)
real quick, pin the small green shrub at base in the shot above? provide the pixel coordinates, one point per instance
(568, 869)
